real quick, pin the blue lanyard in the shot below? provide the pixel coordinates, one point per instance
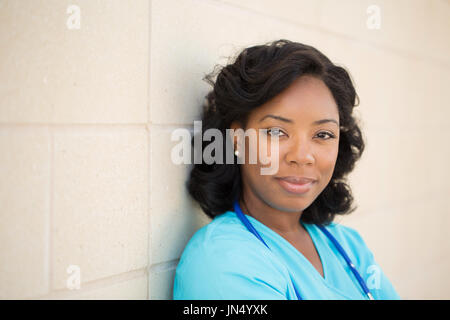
(341, 250)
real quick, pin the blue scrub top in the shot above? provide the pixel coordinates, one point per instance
(224, 261)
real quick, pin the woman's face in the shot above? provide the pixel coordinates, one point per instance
(307, 148)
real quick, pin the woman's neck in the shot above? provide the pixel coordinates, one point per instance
(285, 223)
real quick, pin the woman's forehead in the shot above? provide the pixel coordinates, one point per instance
(302, 101)
(296, 113)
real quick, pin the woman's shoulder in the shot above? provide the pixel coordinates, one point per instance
(353, 243)
(222, 259)
(225, 235)
(349, 238)
(344, 232)
(221, 230)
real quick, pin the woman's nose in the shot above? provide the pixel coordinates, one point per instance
(300, 152)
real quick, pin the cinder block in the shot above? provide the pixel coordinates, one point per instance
(161, 281)
(52, 74)
(174, 215)
(298, 12)
(100, 201)
(403, 24)
(134, 289)
(24, 211)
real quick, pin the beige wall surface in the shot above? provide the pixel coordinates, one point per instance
(91, 205)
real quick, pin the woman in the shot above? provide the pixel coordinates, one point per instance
(272, 235)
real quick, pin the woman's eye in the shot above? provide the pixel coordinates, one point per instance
(325, 134)
(275, 131)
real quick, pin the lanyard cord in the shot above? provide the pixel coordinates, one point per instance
(341, 250)
(349, 262)
(252, 229)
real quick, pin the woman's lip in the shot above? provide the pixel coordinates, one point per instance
(295, 187)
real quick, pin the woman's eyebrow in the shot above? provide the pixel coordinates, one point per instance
(291, 121)
(276, 117)
(325, 121)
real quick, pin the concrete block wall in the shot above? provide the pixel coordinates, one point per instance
(86, 117)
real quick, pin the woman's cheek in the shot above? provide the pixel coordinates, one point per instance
(264, 151)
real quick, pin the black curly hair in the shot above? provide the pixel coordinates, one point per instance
(258, 74)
